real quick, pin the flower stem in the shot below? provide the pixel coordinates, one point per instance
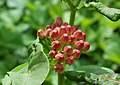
(60, 79)
(72, 16)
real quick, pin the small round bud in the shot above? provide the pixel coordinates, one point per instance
(83, 37)
(63, 30)
(64, 38)
(47, 32)
(86, 46)
(78, 34)
(41, 34)
(68, 50)
(69, 60)
(72, 39)
(54, 34)
(59, 68)
(76, 53)
(59, 57)
(59, 21)
(73, 29)
(58, 29)
(56, 45)
(79, 44)
(48, 27)
(54, 26)
(65, 24)
(52, 53)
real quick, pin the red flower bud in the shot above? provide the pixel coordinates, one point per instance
(54, 34)
(65, 24)
(64, 38)
(58, 29)
(59, 21)
(78, 34)
(63, 30)
(59, 57)
(83, 37)
(86, 46)
(69, 60)
(72, 39)
(73, 29)
(41, 34)
(68, 29)
(76, 53)
(54, 26)
(59, 68)
(48, 27)
(52, 53)
(47, 32)
(68, 50)
(56, 45)
(79, 44)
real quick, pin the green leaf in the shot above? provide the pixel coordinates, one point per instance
(86, 70)
(93, 75)
(6, 80)
(95, 69)
(111, 13)
(32, 73)
(75, 75)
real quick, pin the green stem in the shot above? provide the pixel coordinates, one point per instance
(60, 79)
(72, 16)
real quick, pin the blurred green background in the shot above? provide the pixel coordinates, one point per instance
(20, 20)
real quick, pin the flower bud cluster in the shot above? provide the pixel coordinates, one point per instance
(67, 43)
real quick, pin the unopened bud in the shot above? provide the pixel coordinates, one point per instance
(54, 34)
(79, 44)
(59, 68)
(59, 57)
(72, 39)
(68, 50)
(52, 53)
(76, 53)
(64, 38)
(41, 34)
(69, 60)
(86, 46)
(59, 21)
(56, 45)
(78, 34)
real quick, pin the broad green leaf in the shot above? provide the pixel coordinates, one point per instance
(95, 69)
(75, 75)
(111, 13)
(32, 73)
(6, 80)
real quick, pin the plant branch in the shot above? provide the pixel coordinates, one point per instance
(60, 79)
(70, 4)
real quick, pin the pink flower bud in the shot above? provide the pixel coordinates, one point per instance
(68, 50)
(59, 68)
(59, 21)
(72, 39)
(63, 30)
(48, 27)
(73, 29)
(65, 24)
(59, 57)
(69, 60)
(52, 53)
(54, 26)
(76, 53)
(86, 46)
(41, 34)
(68, 29)
(78, 34)
(58, 29)
(54, 34)
(47, 32)
(83, 37)
(79, 44)
(64, 38)
(56, 45)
